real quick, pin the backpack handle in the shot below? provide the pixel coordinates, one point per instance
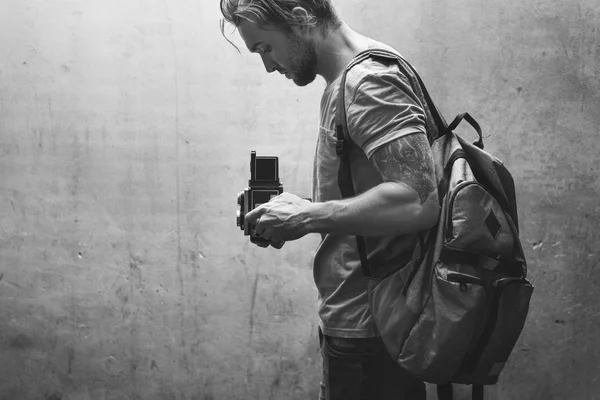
(467, 117)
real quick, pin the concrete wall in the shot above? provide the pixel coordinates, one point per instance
(125, 132)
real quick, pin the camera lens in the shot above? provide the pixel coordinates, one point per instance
(239, 219)
(241, 212)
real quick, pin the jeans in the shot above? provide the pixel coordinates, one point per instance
(362, 369)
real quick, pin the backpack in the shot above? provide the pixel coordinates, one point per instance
(453, 314)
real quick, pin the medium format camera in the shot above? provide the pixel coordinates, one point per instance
(264, 184)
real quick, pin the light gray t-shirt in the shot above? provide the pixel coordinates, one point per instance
(380, 106)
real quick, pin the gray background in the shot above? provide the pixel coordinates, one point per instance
(125, 132)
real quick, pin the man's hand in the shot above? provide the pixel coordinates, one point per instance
(281, 219)
(277, 245)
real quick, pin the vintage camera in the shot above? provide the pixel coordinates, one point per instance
(263, 185)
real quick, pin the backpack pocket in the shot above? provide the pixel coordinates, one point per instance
(505, 321)
(440, 339)
(480, 249)
(476, 223)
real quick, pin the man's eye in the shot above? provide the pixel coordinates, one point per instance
(265, 50)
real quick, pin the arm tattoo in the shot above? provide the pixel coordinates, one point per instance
(408, 160)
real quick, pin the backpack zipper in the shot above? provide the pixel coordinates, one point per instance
(464, 278)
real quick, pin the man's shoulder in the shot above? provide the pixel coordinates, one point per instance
(373, 69)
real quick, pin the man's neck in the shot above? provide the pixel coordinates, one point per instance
(336, 51)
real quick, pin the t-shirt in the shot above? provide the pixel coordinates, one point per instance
(380, 107)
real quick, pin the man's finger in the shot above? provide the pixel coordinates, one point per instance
(252, 216)
(277, 245)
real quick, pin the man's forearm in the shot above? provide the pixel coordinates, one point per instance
(387, 209)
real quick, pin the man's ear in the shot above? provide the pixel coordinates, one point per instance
(302, 28)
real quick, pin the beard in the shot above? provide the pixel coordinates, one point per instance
(303, 60)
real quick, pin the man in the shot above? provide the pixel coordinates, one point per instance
(392, 170)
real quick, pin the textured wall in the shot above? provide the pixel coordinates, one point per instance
(125, 132)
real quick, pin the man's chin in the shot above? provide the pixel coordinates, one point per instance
(303, 80)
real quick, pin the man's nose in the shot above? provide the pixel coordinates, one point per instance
(270, 66)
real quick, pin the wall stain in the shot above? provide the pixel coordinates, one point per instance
(253, 302)
(10, 282)
(135, 272)
(121, 295)
(70, 358)
(289, 373)
(21, 342)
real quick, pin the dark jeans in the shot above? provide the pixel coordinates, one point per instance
(362, 369)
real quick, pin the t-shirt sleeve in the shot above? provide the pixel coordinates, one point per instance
(382, 107)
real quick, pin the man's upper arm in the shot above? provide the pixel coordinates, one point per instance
(386, 119)
(408, 160)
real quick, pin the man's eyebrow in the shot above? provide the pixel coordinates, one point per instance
(254, 46)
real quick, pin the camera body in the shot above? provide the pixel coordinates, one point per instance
(263, 185)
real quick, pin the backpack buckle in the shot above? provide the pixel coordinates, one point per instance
(340, 144)
(340, 148)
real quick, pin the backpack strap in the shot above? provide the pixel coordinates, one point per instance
(477, 392)
(342, 148)
(347, 190)
(344, 141)
(341, 122)
(445, 392)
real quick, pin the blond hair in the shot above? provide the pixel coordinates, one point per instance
(279, 13)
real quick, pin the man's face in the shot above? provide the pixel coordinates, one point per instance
(282, 51)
